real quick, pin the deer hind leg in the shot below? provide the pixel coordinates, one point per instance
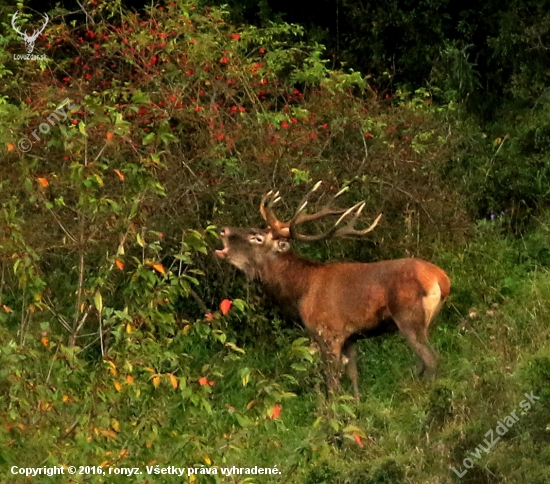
(413, 324)
(350, 353)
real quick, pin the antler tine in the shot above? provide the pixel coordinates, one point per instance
(13, 19)
(349, 228)
(298, 219)
(328, 233)
(266, 211)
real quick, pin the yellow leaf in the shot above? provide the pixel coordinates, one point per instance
(10, 146)
(130, 379)
(45, 341)
(105, 463)
(129, 328)
(192, 478)
(115, 424)
(6, 308)
(43, 182)
(65, 398)
(173, 380)
(119, 264)
(118, 386)
(112, 368)
(250, 404)
(207, 460)
(159, 268)
(156, 381)
(108, 433)
(149, 369)
(123, 453)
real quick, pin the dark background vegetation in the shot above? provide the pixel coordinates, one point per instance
(115, 349)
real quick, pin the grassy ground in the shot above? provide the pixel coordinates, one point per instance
(493, 337)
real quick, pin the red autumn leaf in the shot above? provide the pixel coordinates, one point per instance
(120, 175)
(43, 182)
(209, 316)
(358, 440)
(275, 412)
(10, 146)
(203, 381)
(211, 383)
(110, 135)
(119, 264)
(225, 306)
(235, 36)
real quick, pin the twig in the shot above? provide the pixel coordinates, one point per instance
(53, 359)
(85, 13)
(58, 316)
(382, 182)
(69, 431)
(198, 300)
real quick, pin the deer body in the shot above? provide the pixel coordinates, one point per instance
(341, 301)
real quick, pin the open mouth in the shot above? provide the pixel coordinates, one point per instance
(224, 253)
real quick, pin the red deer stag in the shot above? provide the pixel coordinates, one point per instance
(339, 302)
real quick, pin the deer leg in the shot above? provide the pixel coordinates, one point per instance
(350, 352)
(327, 360)
(413, 326)
(331, 350)
(335, 364)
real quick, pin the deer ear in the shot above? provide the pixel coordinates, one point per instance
(283, 246)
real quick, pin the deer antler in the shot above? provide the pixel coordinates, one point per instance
(35, 34)
(13, 19)
(288, 229)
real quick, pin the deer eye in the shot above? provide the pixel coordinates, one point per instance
(258, 238)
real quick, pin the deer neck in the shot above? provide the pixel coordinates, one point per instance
(287, 277)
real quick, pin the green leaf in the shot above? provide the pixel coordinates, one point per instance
(82, 128)
(148, 139)
(98, 301)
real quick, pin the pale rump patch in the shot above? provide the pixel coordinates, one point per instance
(432, 302)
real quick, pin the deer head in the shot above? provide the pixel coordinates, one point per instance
(250, 249)
(29, 39)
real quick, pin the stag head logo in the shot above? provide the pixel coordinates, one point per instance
(29, 39)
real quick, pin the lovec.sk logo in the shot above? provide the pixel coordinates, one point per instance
(29, 39)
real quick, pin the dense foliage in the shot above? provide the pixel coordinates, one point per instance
(141, 134)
